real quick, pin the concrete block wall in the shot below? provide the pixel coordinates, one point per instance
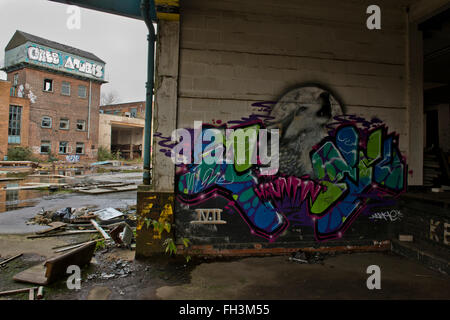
(233, 54)
(166, 102)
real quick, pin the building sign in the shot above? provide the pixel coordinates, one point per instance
(55, 59)
(67, 61)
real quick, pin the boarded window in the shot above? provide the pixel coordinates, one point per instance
(46, 122)
(45, 146)
(81, 125)
(64, 124)
(65, 88)
(14, 126)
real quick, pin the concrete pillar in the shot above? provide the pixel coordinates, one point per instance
(157, 201)
(415, 105)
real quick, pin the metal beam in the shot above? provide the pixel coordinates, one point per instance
(127, 8)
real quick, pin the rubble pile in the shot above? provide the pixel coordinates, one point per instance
(308, 257)
(117, 269)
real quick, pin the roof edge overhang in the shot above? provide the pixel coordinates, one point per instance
(129, 8)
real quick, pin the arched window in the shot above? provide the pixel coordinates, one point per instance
(46, 122)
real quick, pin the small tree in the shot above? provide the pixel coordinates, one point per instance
(109, 98)
(20, 154)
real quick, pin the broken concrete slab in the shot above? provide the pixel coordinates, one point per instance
(108, 214)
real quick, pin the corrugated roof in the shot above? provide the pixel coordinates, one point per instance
(21, 37)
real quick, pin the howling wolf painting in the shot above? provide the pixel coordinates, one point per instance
(301, 115)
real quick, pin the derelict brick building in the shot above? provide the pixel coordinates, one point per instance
(62, 84)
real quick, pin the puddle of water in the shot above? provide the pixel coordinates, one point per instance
(12, 197)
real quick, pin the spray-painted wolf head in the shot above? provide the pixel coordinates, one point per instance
(301, 116)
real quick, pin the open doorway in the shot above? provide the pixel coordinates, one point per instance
(436, 53)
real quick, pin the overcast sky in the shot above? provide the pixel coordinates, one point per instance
(120, 42)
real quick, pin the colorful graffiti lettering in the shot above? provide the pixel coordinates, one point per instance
(331, 168)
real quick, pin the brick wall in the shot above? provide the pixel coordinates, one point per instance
(4, 110)
(5, 101)
(121, 108)
(57, 106)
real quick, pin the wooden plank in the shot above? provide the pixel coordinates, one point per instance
(76, 246)
(55, 268)
(10, 259)
(31, 294)
(100, 229)
(67, 233)
(54, 226)
(5, 293)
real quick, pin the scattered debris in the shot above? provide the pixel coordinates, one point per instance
(108, 214)
(122, 234)
(118, 269)
(307, 257)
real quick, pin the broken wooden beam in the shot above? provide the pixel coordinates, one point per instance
(75, 246)
(66, 233)
(10, 259)
(31, 294)
(53, 226)
(100, 229)
(23, 290)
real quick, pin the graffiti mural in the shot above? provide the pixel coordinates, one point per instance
(331, 167)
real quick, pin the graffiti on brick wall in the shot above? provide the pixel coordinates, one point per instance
(332, 167)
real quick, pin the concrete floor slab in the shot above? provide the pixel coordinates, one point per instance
(340, 277)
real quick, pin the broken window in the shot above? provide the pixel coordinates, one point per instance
(82, 91)
(14, 126)
(45, 146)
(81, 125)
(133, 112)
(63, 147)
(48, 85)
(79, 148)
(65, 88)
(46, 122)
(64, 124)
